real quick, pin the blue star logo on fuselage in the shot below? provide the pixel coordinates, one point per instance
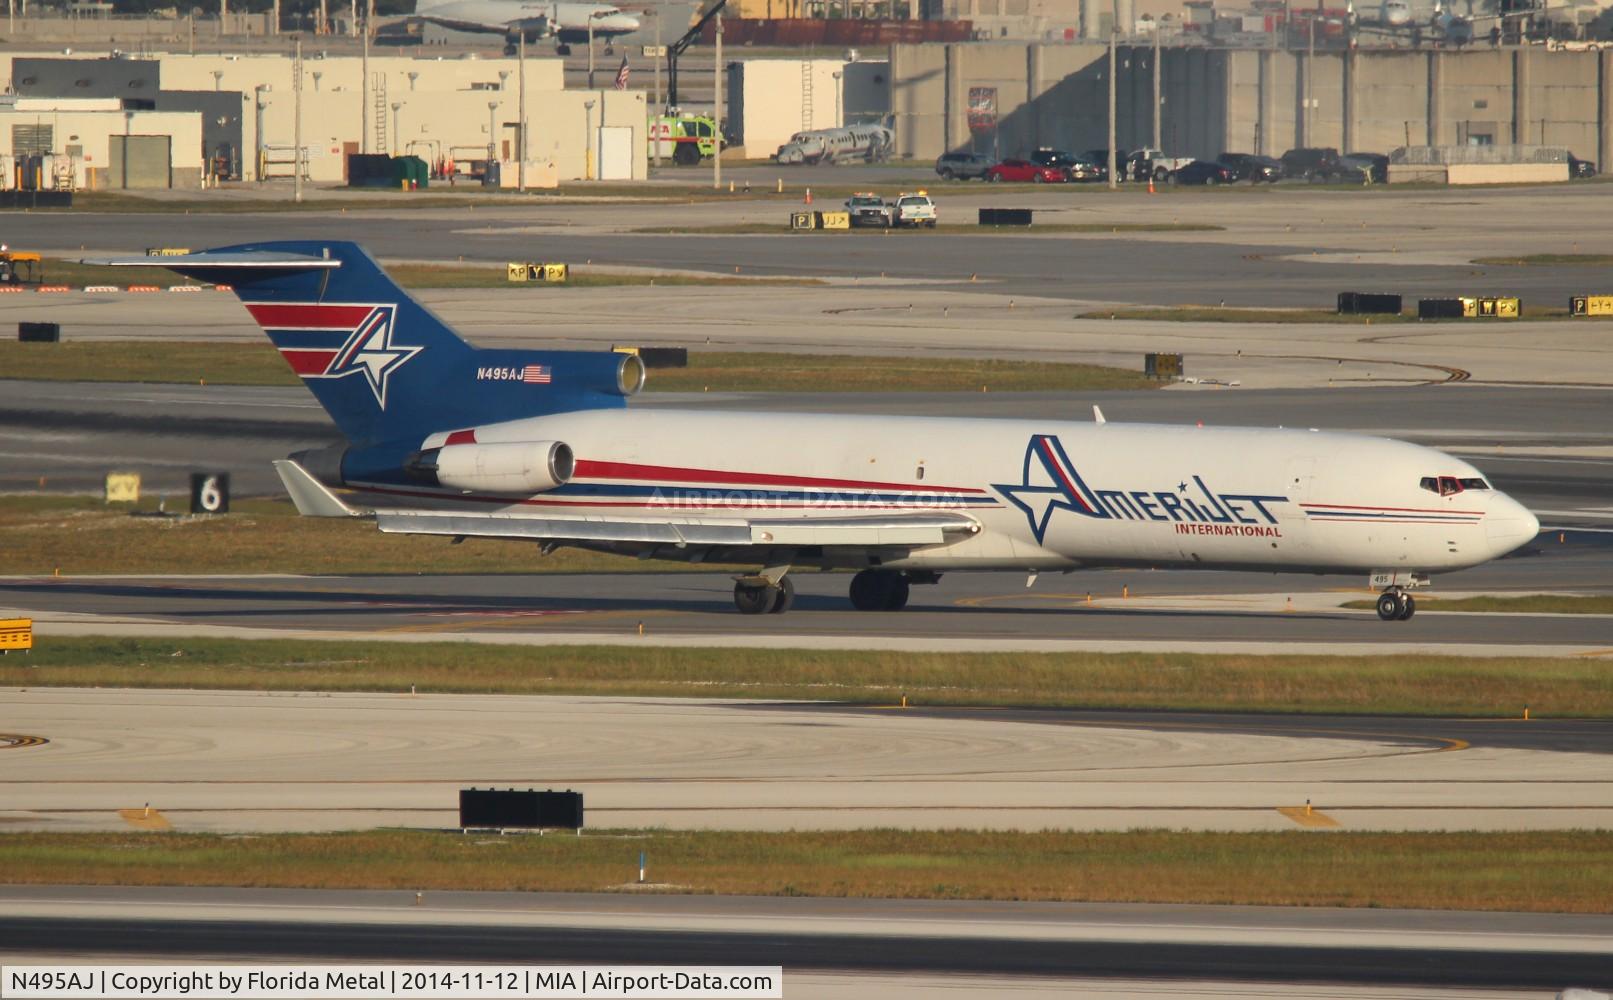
(1047, 483)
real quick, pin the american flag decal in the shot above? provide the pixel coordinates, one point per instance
(536, 375)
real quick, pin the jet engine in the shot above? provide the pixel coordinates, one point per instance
(511, 467)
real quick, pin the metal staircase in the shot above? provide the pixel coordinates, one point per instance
(806, 96)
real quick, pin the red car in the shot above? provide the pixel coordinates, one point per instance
(1022, 171)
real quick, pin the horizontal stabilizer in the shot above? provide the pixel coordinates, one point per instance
(312, 497)
(265, 260)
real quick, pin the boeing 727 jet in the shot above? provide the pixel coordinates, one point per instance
(542, 447)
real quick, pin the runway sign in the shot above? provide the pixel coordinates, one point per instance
(209, 492)
(1591, 305)
(122, 487)
(492, 809)
(16, 633)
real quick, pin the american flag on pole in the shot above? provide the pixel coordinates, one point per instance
(536, 375)
(621, 74)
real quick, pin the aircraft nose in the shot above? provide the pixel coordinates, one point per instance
(1510, 525)
(624, 22)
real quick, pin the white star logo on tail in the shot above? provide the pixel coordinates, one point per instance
(371, 351)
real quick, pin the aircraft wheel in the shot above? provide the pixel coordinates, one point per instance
(1411, 607)
(753, 600)
(896, 591)
(867, 591)
(783, 596)
(1391, 606)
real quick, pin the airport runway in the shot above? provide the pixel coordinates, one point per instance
(1164, 610)
(1158, 950)
(1292, 247)
(245, 762)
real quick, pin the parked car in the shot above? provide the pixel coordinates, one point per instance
(1252, 167)
(1146, 163)
(1311, 163)
(1083, 169)
(1022, 171)
(962, 166)
(868, 209)
(1207, 172)
(1579, 169)
(1101, 158)
(1076, 168)
(1362, 168)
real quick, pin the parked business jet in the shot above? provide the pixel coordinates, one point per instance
(566, 23)
(540, 446)
(862, 143)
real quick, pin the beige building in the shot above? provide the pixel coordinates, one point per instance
(437, 108)
(91, 145)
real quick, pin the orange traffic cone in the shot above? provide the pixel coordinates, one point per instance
(809, 196)
(1150, 183)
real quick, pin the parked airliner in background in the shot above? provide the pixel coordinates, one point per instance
(566, 23)
(540, 446)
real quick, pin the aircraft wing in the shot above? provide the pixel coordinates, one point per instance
(883, 530)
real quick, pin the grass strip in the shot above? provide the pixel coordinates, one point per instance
(1550, 260)
(40, 535)
(1536, 872)
(1548, 604)
(1233, 314)
(1409, 684)
(62, 271)
(258, 363)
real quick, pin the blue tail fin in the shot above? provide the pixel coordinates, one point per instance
(381, 364)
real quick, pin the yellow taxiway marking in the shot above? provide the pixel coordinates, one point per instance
(1309, 817)
(145, 819)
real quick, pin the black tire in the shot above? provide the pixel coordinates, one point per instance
(947, 174)
(1211, 181)
(751, 599)
(1037, 178)
(896, 592)
(686, 154)
(1411, 607)
(1160, 173)
(995, 178)
(868, 590)
(929, 223)
(783, 596)
(1390, 606)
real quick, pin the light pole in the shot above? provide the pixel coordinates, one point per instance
(716, 110)
(1310, 63)
(296, 155)
(257, 128)
(596, 15)
(839, 114)
(397, 137)
(588, 139)
(520, 113)
(492, 132)
(1113, 163)
(364, 86)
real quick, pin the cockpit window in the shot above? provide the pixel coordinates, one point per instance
(1447, 486)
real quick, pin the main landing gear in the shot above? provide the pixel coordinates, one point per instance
(759, 596)
(879, 590)
(1396, 605)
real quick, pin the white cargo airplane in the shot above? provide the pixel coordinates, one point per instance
(540, 446)
(566, 23)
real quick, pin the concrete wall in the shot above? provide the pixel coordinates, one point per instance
(433, 125)
(1253, 100)
(768, 99)
(242, 73)
(88, 132)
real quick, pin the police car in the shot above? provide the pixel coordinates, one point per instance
(868, 209)
(913, 209)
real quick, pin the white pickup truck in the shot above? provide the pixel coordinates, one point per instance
(1145, 163)
(913, 209)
